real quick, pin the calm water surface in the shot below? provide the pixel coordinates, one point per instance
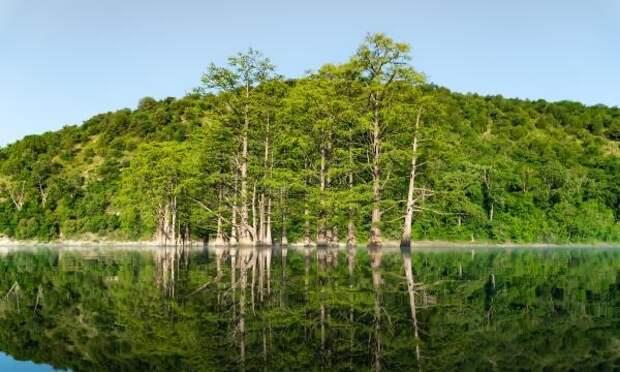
(273, 309)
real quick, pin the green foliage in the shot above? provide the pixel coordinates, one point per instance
(499, 169)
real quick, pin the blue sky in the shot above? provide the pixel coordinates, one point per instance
(7, 363)
(62, 61)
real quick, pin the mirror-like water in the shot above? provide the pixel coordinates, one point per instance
(311, 309)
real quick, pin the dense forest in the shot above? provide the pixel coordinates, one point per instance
(366, 150)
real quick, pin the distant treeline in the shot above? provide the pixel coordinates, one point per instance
(348, 153)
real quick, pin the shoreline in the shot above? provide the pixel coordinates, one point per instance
(388, 244)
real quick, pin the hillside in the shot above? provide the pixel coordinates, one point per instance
(488, 168)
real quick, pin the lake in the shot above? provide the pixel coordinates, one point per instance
(273, 309)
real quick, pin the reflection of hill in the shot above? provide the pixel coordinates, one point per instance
(105, 311)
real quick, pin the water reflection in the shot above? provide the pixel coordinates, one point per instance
(407, 266)
(375, 263)
(308, 308)
(170, 261)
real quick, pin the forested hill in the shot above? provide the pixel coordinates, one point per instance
(486, 168)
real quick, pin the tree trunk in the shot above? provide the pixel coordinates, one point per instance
(160, 235)
(334, 236)
(321, 233)
(307, 240)
(17, 195)
(351, 234)
(375, 229)
(233, 233)
(44, 193)
(261, 217)
(254, 207)
(173, 224)
(330, 234)
(486, 178)
(268, 240)
(406, 237)
(219, 238)
(245, 237)
(264, 233)
(166, 224)
(283, 237)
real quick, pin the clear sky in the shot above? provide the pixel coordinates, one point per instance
(62, 61)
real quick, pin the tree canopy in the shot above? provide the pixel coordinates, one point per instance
(323, 157)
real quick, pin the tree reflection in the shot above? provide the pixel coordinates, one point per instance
(170, 261)
(406, 253)
(162, 310)
(376, 256)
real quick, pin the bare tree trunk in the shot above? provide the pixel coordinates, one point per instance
(233, 233)
(234, 240)
(188, 236)
(321, 233)
(486, 178)
(265, 237)
(17, 195)
(219, 238)
(333, 236)
(406, 237)
(351, 234)
(173, 224)
(269, 237)
(261, 216)
(245, 237)
(254, 207)
(44, 193)
(160, 234)
(166, 224)
(268, 240)
(283, 237)
(330, 234)
(375, 229)
(307, 238)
